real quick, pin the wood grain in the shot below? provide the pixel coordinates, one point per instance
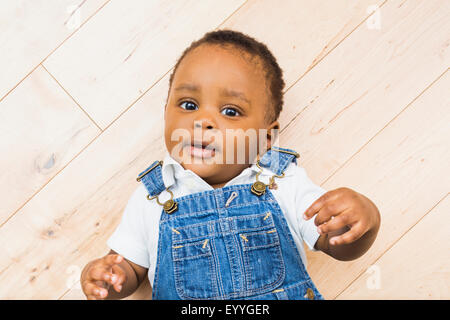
(31, 30)
(81, 206)
(401, 171)
(365, 82)
(365, 107)
(41, 130)
(253, 14)
(416, 267)
(130, 50)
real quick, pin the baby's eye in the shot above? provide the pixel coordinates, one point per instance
(231, 112)
(189, 105)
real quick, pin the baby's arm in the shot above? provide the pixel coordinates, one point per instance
(347, 221)
(111, 277)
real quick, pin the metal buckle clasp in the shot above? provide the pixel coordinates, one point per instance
(169, 206)
(259, 187)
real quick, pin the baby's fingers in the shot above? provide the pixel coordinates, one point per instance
(120, 277)
(93, 291)
(350, 236)
(112, 259)
(334, 224)
(100, 273)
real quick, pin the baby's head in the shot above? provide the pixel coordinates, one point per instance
(226, 92)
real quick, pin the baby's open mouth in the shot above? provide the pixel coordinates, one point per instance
(202, 149)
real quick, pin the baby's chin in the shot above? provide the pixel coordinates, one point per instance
(203, 170)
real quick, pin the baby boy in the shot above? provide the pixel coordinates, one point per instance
(224, 215)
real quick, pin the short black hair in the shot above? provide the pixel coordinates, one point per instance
(241, 41)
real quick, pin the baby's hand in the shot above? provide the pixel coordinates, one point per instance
(101, 274)
(341, 208)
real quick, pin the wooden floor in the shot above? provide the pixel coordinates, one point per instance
(367, 105)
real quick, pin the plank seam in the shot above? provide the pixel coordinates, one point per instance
(43, 60)
(101, 132)
(162, 77)
(71, 97)
(401, 236)
(43, 186)
(387, 124)
(320, 60)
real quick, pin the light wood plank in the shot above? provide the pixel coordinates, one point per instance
(367, 80)
(81, 206)
(107, 182)
(300, 33)
(248, 19)
(402, 171)
(130, 49)
(416, 267)
(31, 30)
(41, 130)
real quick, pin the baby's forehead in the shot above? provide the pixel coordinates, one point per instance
(252, 61)
(229, 71)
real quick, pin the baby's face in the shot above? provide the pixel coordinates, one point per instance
(202, 108)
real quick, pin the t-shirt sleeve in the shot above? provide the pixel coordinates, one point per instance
(129, 238)
(307, 192)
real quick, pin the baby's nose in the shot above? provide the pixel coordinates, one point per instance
(200, 123)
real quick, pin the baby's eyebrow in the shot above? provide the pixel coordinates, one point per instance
(224, 91)
(187, 86)
(236, 94)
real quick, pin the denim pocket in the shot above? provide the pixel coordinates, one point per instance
(194, 270)
(263, 260)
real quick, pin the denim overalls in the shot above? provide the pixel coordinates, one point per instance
(227, 243)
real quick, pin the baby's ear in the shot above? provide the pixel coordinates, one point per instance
(272, 133)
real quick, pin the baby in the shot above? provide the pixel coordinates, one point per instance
(225, 214)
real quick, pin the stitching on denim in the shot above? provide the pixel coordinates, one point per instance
(240, 262)
(176, 257)
(248, 204)
(178, 238)
(160, 180)
(212, 230)
(247, 269)
(307, 282)
(246, 217)
(180, 280)
(247, 275)
(193, 214)
(153, 181)
(175, 216)
(220, 234)
(212, 192)
(219, 190)
(218, 275)
(273, 236)
(158, 257)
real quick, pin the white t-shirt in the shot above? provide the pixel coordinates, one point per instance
(136, 236)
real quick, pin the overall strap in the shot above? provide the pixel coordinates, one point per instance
(277, 159)
(152, 178)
